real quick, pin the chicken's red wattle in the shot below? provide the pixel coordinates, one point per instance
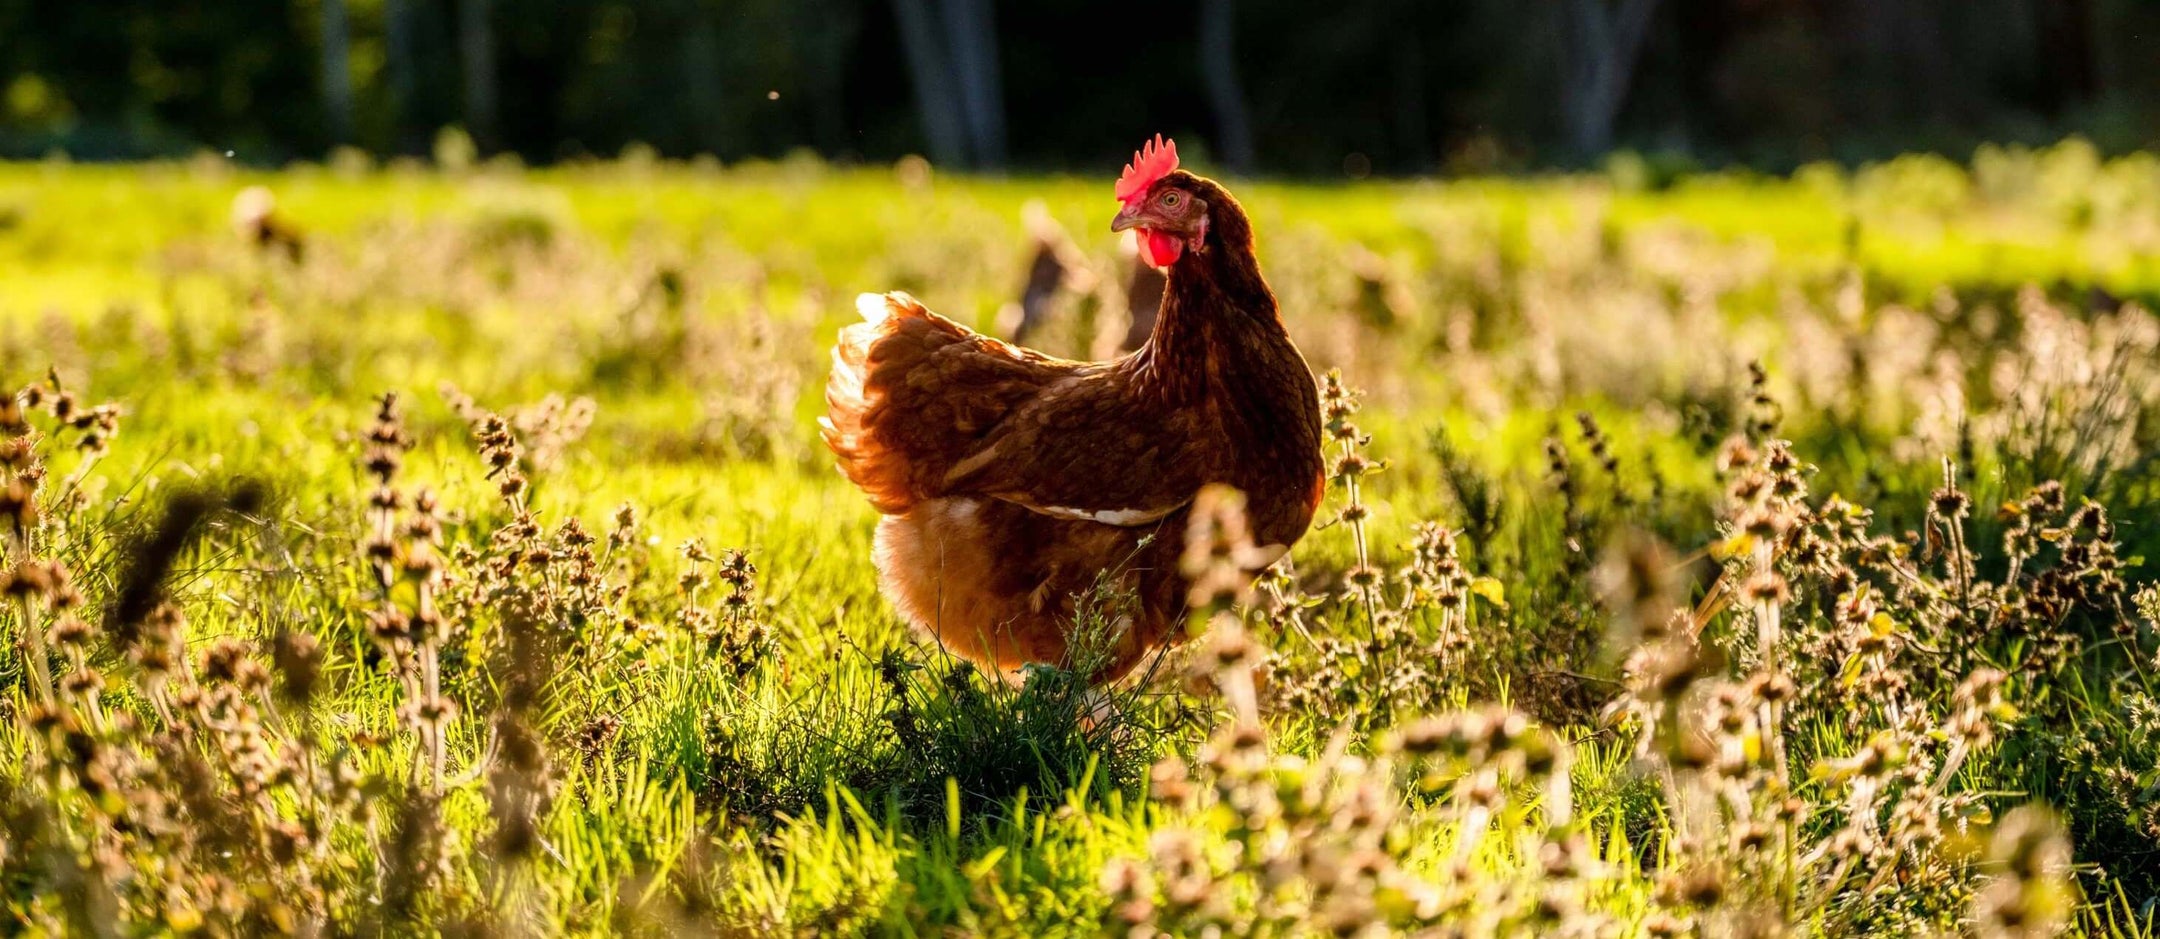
(1162, 249)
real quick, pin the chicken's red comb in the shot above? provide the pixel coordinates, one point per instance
(1152, 162)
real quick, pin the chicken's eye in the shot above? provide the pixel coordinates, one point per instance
(1170, 199)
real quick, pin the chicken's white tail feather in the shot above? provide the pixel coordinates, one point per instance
(847, 372)
(874, 307)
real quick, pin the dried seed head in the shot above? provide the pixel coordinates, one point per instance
(389, 627)
(1780, 522)
(17, 454)
(422, 563)
(1564, 858)
(1773, 687)
(297, 657)
(623, 531)
(11, 414)
(1332, 388)
(1426, 736)
(1766, 587)
(70, 632)
(160, 642)
(1170, 780)
(227, 660)
(1361, 578)
(30, 578)
(1737, 453)
(1950, 503)
(1669, 671)
(1219, 557)
(1351, 466)
(1637, 579)
(382, 463)
(2090, 519)
(1701, 886)
(1749, 488)
(2032, 895)
(736, 569)
(82, 682)
(1124, 880)
(1231, 648)
(434, 713)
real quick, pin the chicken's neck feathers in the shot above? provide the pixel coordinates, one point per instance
(1217, 314)
(1220, 345)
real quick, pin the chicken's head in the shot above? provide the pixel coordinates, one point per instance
(1163, 204)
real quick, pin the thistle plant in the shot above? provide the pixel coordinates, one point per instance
(1338, 405)
(1419, 616)
(404, 549)
(38, 588)
(1263, 843)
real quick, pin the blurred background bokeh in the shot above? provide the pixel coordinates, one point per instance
(1284, 87)
(1769, 400)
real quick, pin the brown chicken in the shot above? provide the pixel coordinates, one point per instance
(1011, 481)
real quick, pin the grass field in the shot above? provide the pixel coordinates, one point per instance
(1718, 555)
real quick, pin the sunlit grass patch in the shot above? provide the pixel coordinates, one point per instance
(1745, 551)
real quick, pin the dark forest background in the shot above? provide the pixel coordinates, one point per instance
(1276, 86)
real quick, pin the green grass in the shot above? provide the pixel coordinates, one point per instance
(794, 762)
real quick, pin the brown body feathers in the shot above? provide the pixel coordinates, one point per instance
(1012, 480)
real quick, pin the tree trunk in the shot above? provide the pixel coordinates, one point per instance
(336, 72)
(1600, 44)
(1218, 70)
(2066, 53)
(398, 66)
(476, 49)
(701, 79)
(827, 32)
(935, 101)
(2113, 73)
(971, 38)
(1928, 69)
(1410, 123)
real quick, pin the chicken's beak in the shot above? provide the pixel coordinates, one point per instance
(1127, 218)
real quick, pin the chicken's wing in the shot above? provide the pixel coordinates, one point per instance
(924, 408)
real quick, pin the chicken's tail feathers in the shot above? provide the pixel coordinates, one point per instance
(882, 315)
(877, 307)
(853, 402)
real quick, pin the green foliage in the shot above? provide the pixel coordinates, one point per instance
(1393, 87)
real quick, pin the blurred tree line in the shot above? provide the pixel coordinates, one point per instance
(1388, 86)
